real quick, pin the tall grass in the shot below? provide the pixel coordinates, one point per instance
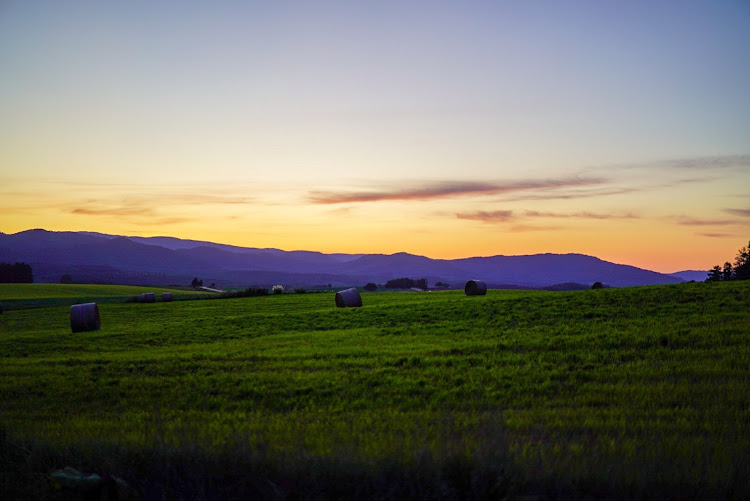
(639, 392)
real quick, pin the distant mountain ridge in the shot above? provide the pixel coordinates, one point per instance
(103, 258)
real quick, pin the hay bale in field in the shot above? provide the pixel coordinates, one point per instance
(84, 317)
(348, 298)
(166, 296)
(147, 297)
(475, 288)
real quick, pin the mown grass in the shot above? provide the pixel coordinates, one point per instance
(634, 392)
(25, 296)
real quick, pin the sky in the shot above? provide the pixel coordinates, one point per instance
(445, 129)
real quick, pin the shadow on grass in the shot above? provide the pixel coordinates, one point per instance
(236, 472)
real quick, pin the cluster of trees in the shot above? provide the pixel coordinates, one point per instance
(19, 273)
(740, 270)
(406, 283)
(196, 283)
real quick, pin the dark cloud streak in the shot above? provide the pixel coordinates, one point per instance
(714, 235)
(449, 189)
(498, 216)
(690, 221)
(738, 212)
(578, 215)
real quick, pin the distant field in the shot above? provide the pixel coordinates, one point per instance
(21, 296)
(632, 392)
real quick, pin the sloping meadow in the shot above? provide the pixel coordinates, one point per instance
(615, 392)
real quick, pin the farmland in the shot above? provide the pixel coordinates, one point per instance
(22, 296)
(632, 392)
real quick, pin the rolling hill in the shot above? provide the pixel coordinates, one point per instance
(100, 258)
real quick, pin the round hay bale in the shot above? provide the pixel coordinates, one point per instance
(348, 298)
(475, 288)
(84, 317)
(147, 297)
(166, 296)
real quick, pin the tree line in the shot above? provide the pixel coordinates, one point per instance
(18, 273)
(406, 283)
(740, 270)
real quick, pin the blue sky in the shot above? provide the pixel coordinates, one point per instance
(447, 129)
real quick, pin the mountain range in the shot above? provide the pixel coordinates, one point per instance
(101, 258)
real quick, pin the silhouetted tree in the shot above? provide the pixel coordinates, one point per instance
(406, 283)
(742, 263)
(16, 273)
(715, 274)
(741, 270)
(727, 273)
(399, 283)
(196, 283)
(66, 279)
(597, 285)
(370, 287)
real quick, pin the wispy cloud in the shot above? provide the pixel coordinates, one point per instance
(738, 212)
(447, 189)
(691, 221)
(498, 216)
(589, 185)
(112, 211)
(708, 162)
(573, 194)
(578, 215)
(511, 222)
(702, 163)
(507, 216)
(145, 204)
(715, 235)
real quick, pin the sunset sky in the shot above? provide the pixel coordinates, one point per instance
(446, 129)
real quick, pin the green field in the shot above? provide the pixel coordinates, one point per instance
(23, 296)
(631, 392)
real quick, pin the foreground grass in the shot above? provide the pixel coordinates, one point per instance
(618, 392)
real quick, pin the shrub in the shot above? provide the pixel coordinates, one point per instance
(277, 289)
(249, 292)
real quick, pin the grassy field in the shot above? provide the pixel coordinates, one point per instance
(632, 392)
(23, 296)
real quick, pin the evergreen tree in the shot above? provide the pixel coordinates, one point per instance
(714, 275)
(727, 273)
(742, 264)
